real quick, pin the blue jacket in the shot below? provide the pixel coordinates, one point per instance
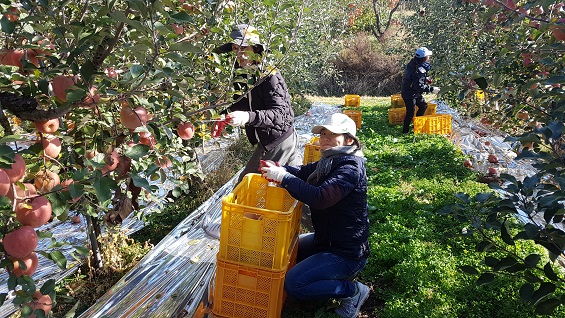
(416, 81)
(338, 205)
(271, 118)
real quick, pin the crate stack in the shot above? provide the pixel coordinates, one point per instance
(258, 244)
(312, 151)
(397, 110)
(351, 105)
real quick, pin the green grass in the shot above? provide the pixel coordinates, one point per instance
(416, 253)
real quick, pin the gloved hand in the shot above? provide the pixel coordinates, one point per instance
(273, 173)
(435, 90)
(237, 118)
(267, 163)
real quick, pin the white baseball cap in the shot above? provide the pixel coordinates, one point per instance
(423, 52)
(337, 123)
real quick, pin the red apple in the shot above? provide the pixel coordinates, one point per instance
(163, 162)
(61, 83)
(30, 262)
(46, 180)
(20, 242)
(467, 163)
(186, 130)
(51, 147)
(47, 126)
(34, 212)
(28, 191)
(492, 171)
(133, 118)
(178, 28)
(112, 160)
(492, 158)
(18, 169)
(75, 219)
(4, 183)
(40, 301)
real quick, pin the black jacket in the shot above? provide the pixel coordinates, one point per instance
(271, 115)
(416, 81)
(338, 205)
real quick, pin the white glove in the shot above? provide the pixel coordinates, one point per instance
(237, 118)
(274, 173)
(435, 90)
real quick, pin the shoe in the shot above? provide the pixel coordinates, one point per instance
(349, 307)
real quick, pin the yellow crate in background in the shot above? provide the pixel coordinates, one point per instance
(433, 124)
(396, 115)
(352, 100)
(431, 109)
(480, 94)
(356, 115)
(259, 224)
(396, 101)
(312, 151)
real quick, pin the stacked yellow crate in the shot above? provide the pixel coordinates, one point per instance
(397, 110)
(433, 124)
(258, 238)
(352, 100)
(356, 115)
(312, 151)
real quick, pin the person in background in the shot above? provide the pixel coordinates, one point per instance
(335, 189)
(414, 84)
(264, 110)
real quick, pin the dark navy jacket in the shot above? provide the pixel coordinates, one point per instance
(415, 81)
(338, 205)
(271, 114)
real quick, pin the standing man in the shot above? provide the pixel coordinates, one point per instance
(265, 110)
(414, 84)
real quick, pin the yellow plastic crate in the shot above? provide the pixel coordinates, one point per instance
(352, 100)
(249, 292)
(356, 115)
(312, 151)
(480, 94)
(396, 101)
(433, 124)
(259, 223)
(396, 115)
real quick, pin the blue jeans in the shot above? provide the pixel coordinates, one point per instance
(321, 276)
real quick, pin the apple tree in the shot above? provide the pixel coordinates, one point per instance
(513, 52)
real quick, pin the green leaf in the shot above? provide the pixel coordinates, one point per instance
(8, 26)
(59, 259)
(547, 307)
(185, 47)
(532, 260)
(76, 95)
(136, 70)
(526, 292)
(48, 287)
(485, 278)
(544, 290)
(505, 263)
(82, 250)
(469, 270)
(121, 17)
(483, 246)
(137, 151)
(548, 270)
(505, 234)
(140, 181)
(104, 187)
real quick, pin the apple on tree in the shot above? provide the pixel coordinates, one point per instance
(30, 261)
(33, 212)
(17, 170)
(20, 242)
(186, 130)
(47, 126)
